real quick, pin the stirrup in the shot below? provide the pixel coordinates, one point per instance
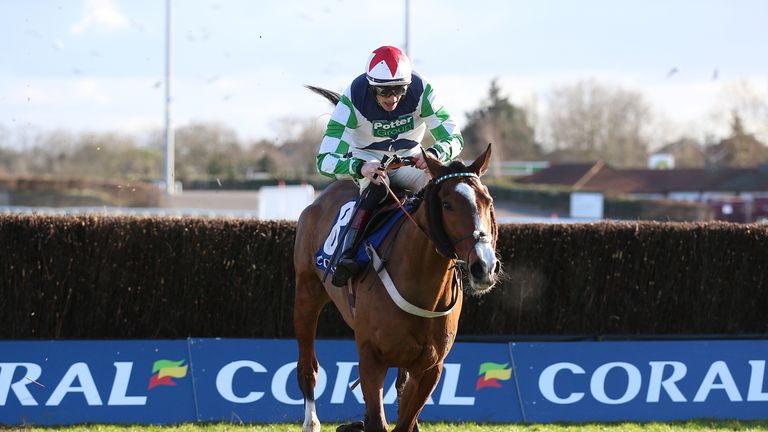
(345, 269)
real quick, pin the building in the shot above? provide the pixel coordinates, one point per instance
(736, 194)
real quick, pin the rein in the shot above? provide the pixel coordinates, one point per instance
(400, 204)
(476, 234)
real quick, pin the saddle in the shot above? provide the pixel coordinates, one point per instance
(382, 221)
(383, 212)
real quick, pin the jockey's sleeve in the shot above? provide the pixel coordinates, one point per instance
(448, 139)
(334, 158)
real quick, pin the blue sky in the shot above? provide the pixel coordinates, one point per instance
(99, 64)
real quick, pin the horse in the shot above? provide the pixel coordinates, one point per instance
(449, 238)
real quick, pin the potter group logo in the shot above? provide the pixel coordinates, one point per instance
(491, 373)
(164, 372)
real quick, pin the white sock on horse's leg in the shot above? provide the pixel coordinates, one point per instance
(311, 422)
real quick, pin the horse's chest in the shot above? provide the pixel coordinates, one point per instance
(412, 350)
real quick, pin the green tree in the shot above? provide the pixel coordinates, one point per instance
(505, 125)
(267, 164)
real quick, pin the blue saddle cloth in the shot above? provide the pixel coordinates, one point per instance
(343, 216)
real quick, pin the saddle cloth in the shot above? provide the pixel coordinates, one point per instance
(324, 254)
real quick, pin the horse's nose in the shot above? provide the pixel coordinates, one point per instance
(477, 270)
(497, 267)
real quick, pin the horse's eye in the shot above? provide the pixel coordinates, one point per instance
(446, 205)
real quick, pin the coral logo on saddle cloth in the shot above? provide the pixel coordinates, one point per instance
(491, 373)
(164, 372)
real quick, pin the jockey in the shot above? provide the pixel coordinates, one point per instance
(385, 111)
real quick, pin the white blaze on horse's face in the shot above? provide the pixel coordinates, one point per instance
(482, 271)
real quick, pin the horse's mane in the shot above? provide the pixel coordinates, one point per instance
(428, 197)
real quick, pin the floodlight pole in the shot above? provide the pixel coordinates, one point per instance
(408, 32)
(170, 146)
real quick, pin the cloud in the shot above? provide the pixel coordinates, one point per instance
(89, 90)
(100, 14)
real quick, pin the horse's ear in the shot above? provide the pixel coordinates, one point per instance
(480, 165)
(436, 169)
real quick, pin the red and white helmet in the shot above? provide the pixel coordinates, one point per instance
(388, 66)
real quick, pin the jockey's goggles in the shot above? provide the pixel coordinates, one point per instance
(385, 91)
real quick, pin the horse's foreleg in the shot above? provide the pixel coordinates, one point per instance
(309, 301)
(417, 389)
(402, 377)
(372, 374)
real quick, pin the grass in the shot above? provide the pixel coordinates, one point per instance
(698, 426)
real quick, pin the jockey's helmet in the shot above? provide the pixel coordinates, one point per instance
(388, 66)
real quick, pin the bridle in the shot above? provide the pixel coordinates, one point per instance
(458, 266)
(478, 235)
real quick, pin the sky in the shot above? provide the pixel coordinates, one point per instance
(99, 65)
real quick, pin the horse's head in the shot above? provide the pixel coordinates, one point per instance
(462, 222)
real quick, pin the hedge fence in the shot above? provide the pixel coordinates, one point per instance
(137, 277)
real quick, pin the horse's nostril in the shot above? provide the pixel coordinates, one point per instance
(477, 270)
(497, 267)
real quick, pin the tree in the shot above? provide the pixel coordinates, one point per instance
(8, 160)
(299, 143)
(267, 164)
(506, 126)
(750, 102)
(107, 155)
(591, 121)
(741, 149)
(207, 150)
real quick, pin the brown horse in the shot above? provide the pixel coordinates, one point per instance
(456, 229)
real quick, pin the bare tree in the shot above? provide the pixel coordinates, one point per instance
(107, 155)
(593, 121)
(299, 143)
(750, 104)
(741, 149)
(206, 151)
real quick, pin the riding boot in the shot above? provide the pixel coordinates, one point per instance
(347, 267)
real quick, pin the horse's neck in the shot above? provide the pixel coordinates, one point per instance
(427, 276)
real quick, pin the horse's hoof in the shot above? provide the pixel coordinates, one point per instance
(352, 427)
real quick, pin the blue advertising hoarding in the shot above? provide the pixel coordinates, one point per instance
(255, 381)
(648, 381)
(65, 382)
